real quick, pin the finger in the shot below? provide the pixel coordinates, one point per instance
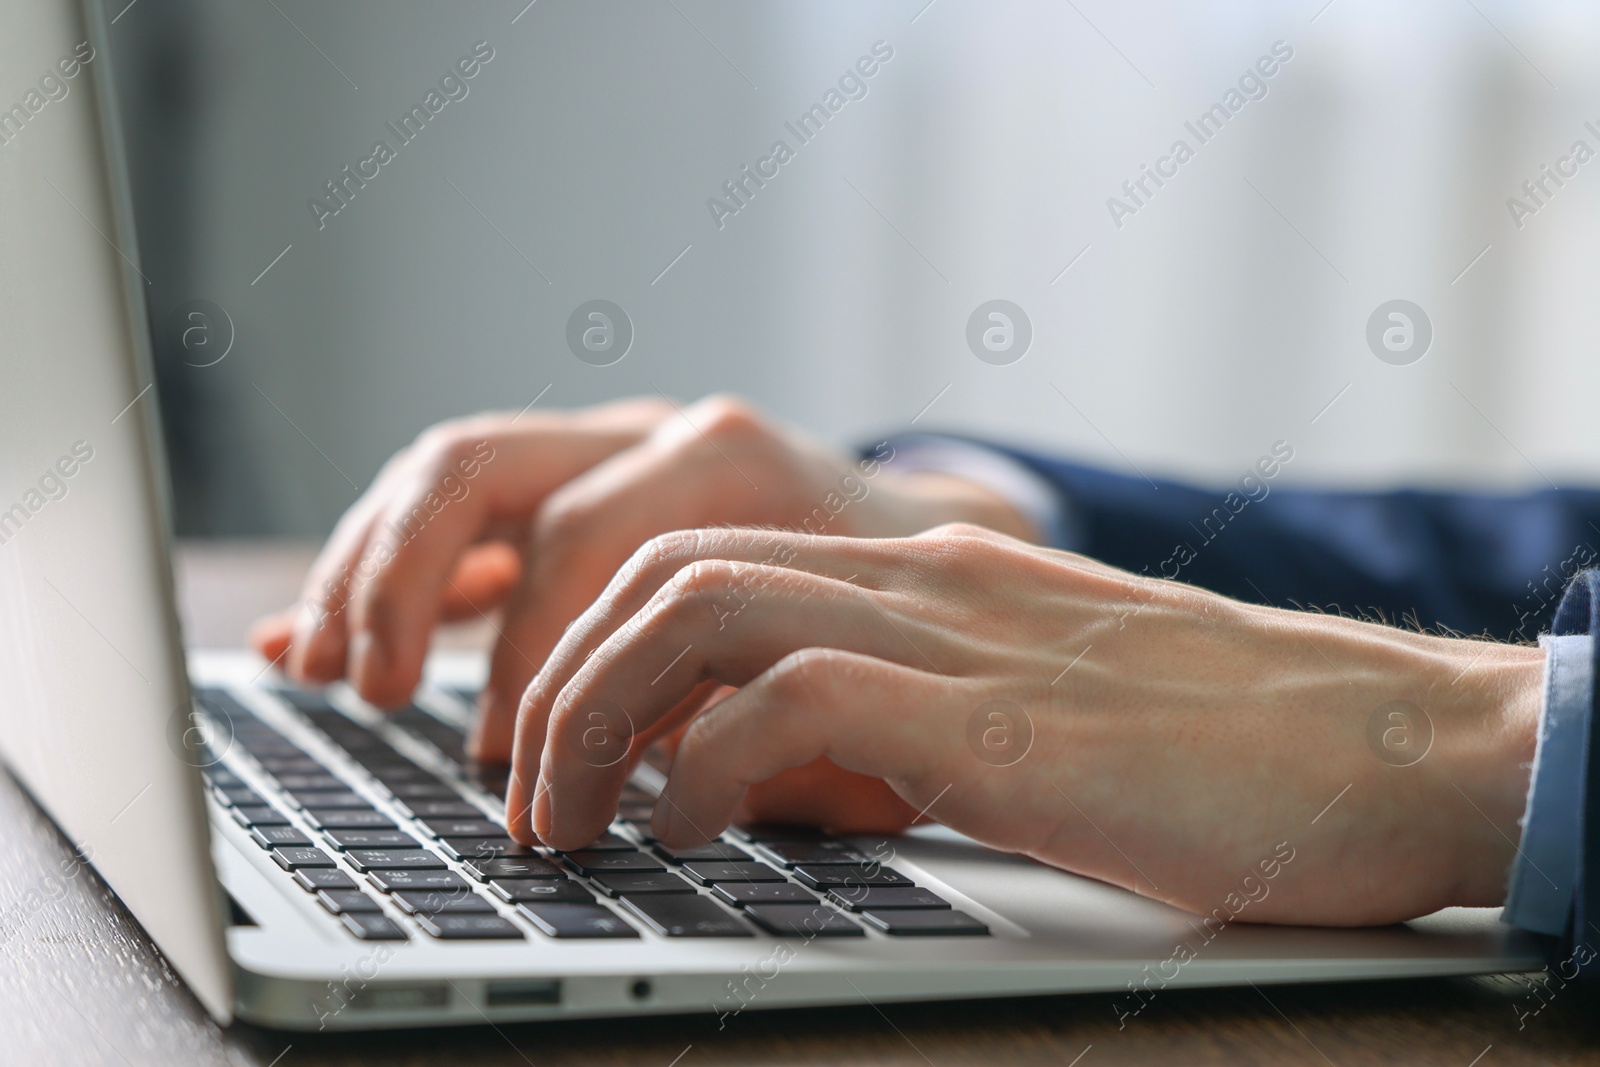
(483, 579)
(867, 715)
(270, 635)
(583, 534)
(701, 464)
(707, 623)
(318, 640)
(467, 479)
(651, 566)
(821, 793)
(481, 582)
(319, 644)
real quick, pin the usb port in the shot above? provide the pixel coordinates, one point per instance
(522, 992)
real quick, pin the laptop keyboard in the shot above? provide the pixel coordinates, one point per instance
(423, 859)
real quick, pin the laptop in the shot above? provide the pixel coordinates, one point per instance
(307, 861)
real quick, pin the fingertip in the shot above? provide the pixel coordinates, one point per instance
(517, 824)
(316, 655)
(270, 635)
(541, 809)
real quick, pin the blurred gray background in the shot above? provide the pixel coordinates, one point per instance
(1229, 312)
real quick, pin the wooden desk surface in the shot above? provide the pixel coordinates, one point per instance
(80, 984)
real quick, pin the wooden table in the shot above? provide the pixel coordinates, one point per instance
(80, 983)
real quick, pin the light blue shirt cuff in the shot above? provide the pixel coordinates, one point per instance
(1040, 502)
(1545, 874)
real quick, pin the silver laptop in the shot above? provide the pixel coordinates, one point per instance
(306, 861)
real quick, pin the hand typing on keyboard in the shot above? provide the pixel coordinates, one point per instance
(1033, 699)
(1143, 732)
(534, 513)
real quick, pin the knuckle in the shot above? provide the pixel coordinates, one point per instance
(702, 581)
(446, 446)
(652, 564)
(961, 538)
(723, 418)
(803, 676)
(665, 551)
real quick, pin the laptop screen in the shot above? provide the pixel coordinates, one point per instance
(94, 708)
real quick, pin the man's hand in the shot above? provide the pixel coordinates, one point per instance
(1149, 734)
(536, 513)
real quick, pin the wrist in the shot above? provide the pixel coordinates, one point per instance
(1493, 701)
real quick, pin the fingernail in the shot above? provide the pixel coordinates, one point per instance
(541, 808)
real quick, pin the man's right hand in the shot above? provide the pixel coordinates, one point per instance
(536, 513)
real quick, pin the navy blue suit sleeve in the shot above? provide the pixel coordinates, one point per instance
(1579, 612)
(1477, 563)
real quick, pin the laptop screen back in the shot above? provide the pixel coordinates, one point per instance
(93, 703)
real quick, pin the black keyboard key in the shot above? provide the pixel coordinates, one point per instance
(372, 927)
(348, 839)
(393, 859)
(389, 881)
(344, 901)
(513, 867)
(594, 862)
(341, 819)
(271, 748)
(713, 851)
(712, 872)
(802, 920)
(743, 894)
(482, 848)
(607, 842)
(478, 827)
(276, 765)
(766, 832)
(295, 783)
(312, 879)
(531, 891)
(451, 927)
(270, 837)
(437, 902)
(640, 827)
(293, 859)
(925, 922)
(392, 773)
(628, 883)
(222, 778)
(441, 809)
(671, 915)
(422, 790)
(248, 817)
(359, 741)
(489, 777)
(576, 920)
(809, 853)
(326, 800)
(836, 877)
(883, 898)
(238, 796)
(309, 701)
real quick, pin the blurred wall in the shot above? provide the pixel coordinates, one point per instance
(1227, 311)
